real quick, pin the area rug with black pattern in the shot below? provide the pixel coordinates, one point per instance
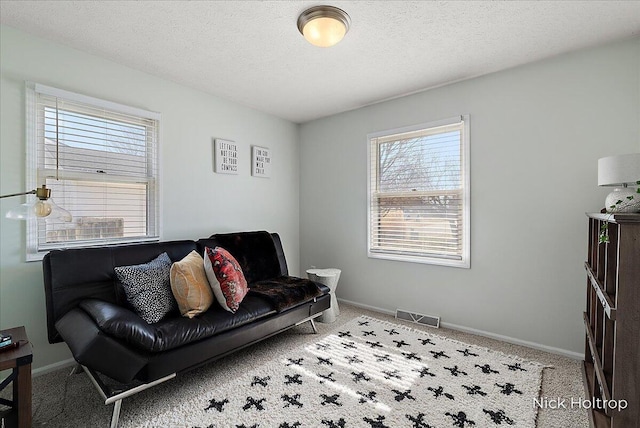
(374, 374)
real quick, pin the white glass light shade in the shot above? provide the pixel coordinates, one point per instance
(39, 208)
(22, 212)
(323, 26)
(59, 213)
(324, 32)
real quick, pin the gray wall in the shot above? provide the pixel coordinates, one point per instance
(195, 201)
(537, 132)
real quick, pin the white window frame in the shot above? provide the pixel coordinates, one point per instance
(33, 250)
(465, 170)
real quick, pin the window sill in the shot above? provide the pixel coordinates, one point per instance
(464, 263)
(36, 256)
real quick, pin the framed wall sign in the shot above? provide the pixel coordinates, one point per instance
(260, 161)
(226, 156)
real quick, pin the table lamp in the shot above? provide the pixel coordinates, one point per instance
(621, 171)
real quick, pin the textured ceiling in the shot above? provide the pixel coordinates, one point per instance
(251, 52)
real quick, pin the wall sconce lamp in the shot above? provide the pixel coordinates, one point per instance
(323, 26)
(42, 207)
(621, 171)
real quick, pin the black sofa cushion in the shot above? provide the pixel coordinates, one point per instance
(172, 332)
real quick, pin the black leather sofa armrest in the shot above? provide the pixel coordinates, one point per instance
(323, 288)
(97, 350)
(120, 323)
(284, 270)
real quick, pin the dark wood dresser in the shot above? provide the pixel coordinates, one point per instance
(612, 322)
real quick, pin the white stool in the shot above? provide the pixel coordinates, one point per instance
(328, 277)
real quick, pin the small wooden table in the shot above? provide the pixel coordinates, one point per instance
(19, 361)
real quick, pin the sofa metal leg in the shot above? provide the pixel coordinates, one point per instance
(310, 319)
(77, 369)
(116, 413)
(116, 398)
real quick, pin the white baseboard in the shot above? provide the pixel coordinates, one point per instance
(369, 307)
(534, 345)
(53, 367)
(566, 353)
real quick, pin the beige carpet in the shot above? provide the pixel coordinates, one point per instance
(60, 400)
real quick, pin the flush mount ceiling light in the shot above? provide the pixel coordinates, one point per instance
(323, 26)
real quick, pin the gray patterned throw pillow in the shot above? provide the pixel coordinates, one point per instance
(148, 288)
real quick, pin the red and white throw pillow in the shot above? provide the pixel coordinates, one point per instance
(225, 277)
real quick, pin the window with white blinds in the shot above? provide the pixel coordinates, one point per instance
(419, 193)
(100, 160)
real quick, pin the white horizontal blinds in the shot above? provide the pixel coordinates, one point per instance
(102, 211)
(102, 166)
(417, 199)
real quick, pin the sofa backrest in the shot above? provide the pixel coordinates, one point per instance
(73, 275)
(259, 254)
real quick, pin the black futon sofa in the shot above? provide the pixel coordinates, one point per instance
(107, 338)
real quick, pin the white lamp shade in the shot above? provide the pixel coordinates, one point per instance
(619, 170)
